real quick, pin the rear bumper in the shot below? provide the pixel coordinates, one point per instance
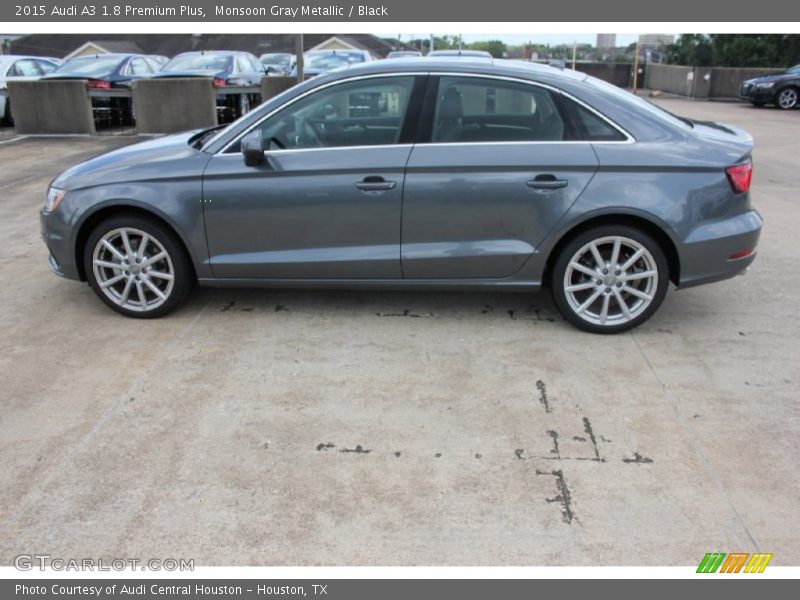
(705, 254)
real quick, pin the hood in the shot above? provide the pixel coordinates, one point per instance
(194, 73)
(159, 158)
(774, 77)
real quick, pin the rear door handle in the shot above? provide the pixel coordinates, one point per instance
(375, 184)
(547, 182)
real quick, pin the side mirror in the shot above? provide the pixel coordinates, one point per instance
(253, 149)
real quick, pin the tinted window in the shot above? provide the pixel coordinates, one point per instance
(592, 126)
(360, 113)
(92, 66)
(199, 62)
(25, 68)
(469, 109)
(138, 67)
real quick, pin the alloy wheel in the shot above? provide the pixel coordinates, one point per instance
(610, 281)
(133, 269)
(787, 98)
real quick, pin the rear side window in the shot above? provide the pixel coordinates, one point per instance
(592, 127)
(470, 109)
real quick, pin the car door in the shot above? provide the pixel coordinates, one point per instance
(326, 202)
(490, 176)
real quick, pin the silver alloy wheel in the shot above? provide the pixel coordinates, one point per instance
(787, 98)
(133, 269)
(611, 280)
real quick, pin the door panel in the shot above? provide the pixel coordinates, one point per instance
(300, 215)
(481, 210)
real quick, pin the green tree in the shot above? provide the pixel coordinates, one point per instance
(735, 50)
(496, 48)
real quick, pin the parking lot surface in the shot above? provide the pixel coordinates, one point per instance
(384, 428)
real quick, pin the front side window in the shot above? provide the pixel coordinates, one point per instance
(368, 112)
(470, 109)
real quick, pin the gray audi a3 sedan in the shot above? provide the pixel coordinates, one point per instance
(448, 174)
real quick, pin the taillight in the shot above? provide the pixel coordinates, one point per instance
(97, 84)
(739, 176)
(220, 82)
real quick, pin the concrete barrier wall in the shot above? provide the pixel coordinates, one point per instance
(620, 74)
(175, 104)
(725, 81)
(700, 82)
(673, 79)
(51, 107)
(272, 86)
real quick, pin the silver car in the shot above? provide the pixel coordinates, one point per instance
(425, 174)
(20, 68)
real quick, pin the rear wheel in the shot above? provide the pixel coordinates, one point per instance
(137, 267)
(610, 279)
(787, 98)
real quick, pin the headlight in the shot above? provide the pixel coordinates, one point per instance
(765, 84)
(53, 199)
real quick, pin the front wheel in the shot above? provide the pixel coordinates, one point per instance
(137, 267)
(787, 98)
(610, 279)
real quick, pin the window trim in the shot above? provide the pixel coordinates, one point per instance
(432, 78)
(403, 131)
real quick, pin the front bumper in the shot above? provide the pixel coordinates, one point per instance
(752, 93)
(705, 254)
(57, 236)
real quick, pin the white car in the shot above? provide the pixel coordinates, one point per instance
(20, 68)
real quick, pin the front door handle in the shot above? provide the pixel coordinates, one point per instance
(375, 184)
(547, 183)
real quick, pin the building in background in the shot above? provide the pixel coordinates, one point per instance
(70, 45)
(654, 41)
(606, 41)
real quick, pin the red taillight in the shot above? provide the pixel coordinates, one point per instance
(220, 82)
(739, 176)
(97, 84)
(741, 254)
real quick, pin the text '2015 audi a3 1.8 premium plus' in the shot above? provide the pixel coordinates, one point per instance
(424, 174)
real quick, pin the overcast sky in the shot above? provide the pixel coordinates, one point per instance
(623, 39)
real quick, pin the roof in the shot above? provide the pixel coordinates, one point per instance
(61, 44)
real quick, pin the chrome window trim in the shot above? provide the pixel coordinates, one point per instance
(629, 139)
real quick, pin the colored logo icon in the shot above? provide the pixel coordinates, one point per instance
(735, 562)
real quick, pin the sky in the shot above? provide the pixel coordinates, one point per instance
(623, 39)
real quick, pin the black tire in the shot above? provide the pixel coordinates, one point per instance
(8, 119)
(177, 259)
(659, 284)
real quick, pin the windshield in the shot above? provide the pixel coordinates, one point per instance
(91, 65)
(199, 62)
(275, 59)
(333, 60)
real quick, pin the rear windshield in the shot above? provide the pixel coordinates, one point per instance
(89, 66)
(654, 110)
(198, 62)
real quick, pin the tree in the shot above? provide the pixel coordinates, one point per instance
(496, 48)
(735, 50)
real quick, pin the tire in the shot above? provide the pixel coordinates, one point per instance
(130, 287)
(787, 98)
(581, 292)
(8, 120)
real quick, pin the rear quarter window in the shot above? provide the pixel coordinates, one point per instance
(593, 127)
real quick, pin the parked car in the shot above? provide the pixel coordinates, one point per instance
(471, 175)
(158, 59)
(403, 54)
(780, 89)
(225, 68)
(321, 61)
(459, 54)
(108, 72)
(278, 63)
(19, 68)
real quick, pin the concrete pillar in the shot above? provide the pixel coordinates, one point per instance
(51, 107)
(172, 104)
(272, 86)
